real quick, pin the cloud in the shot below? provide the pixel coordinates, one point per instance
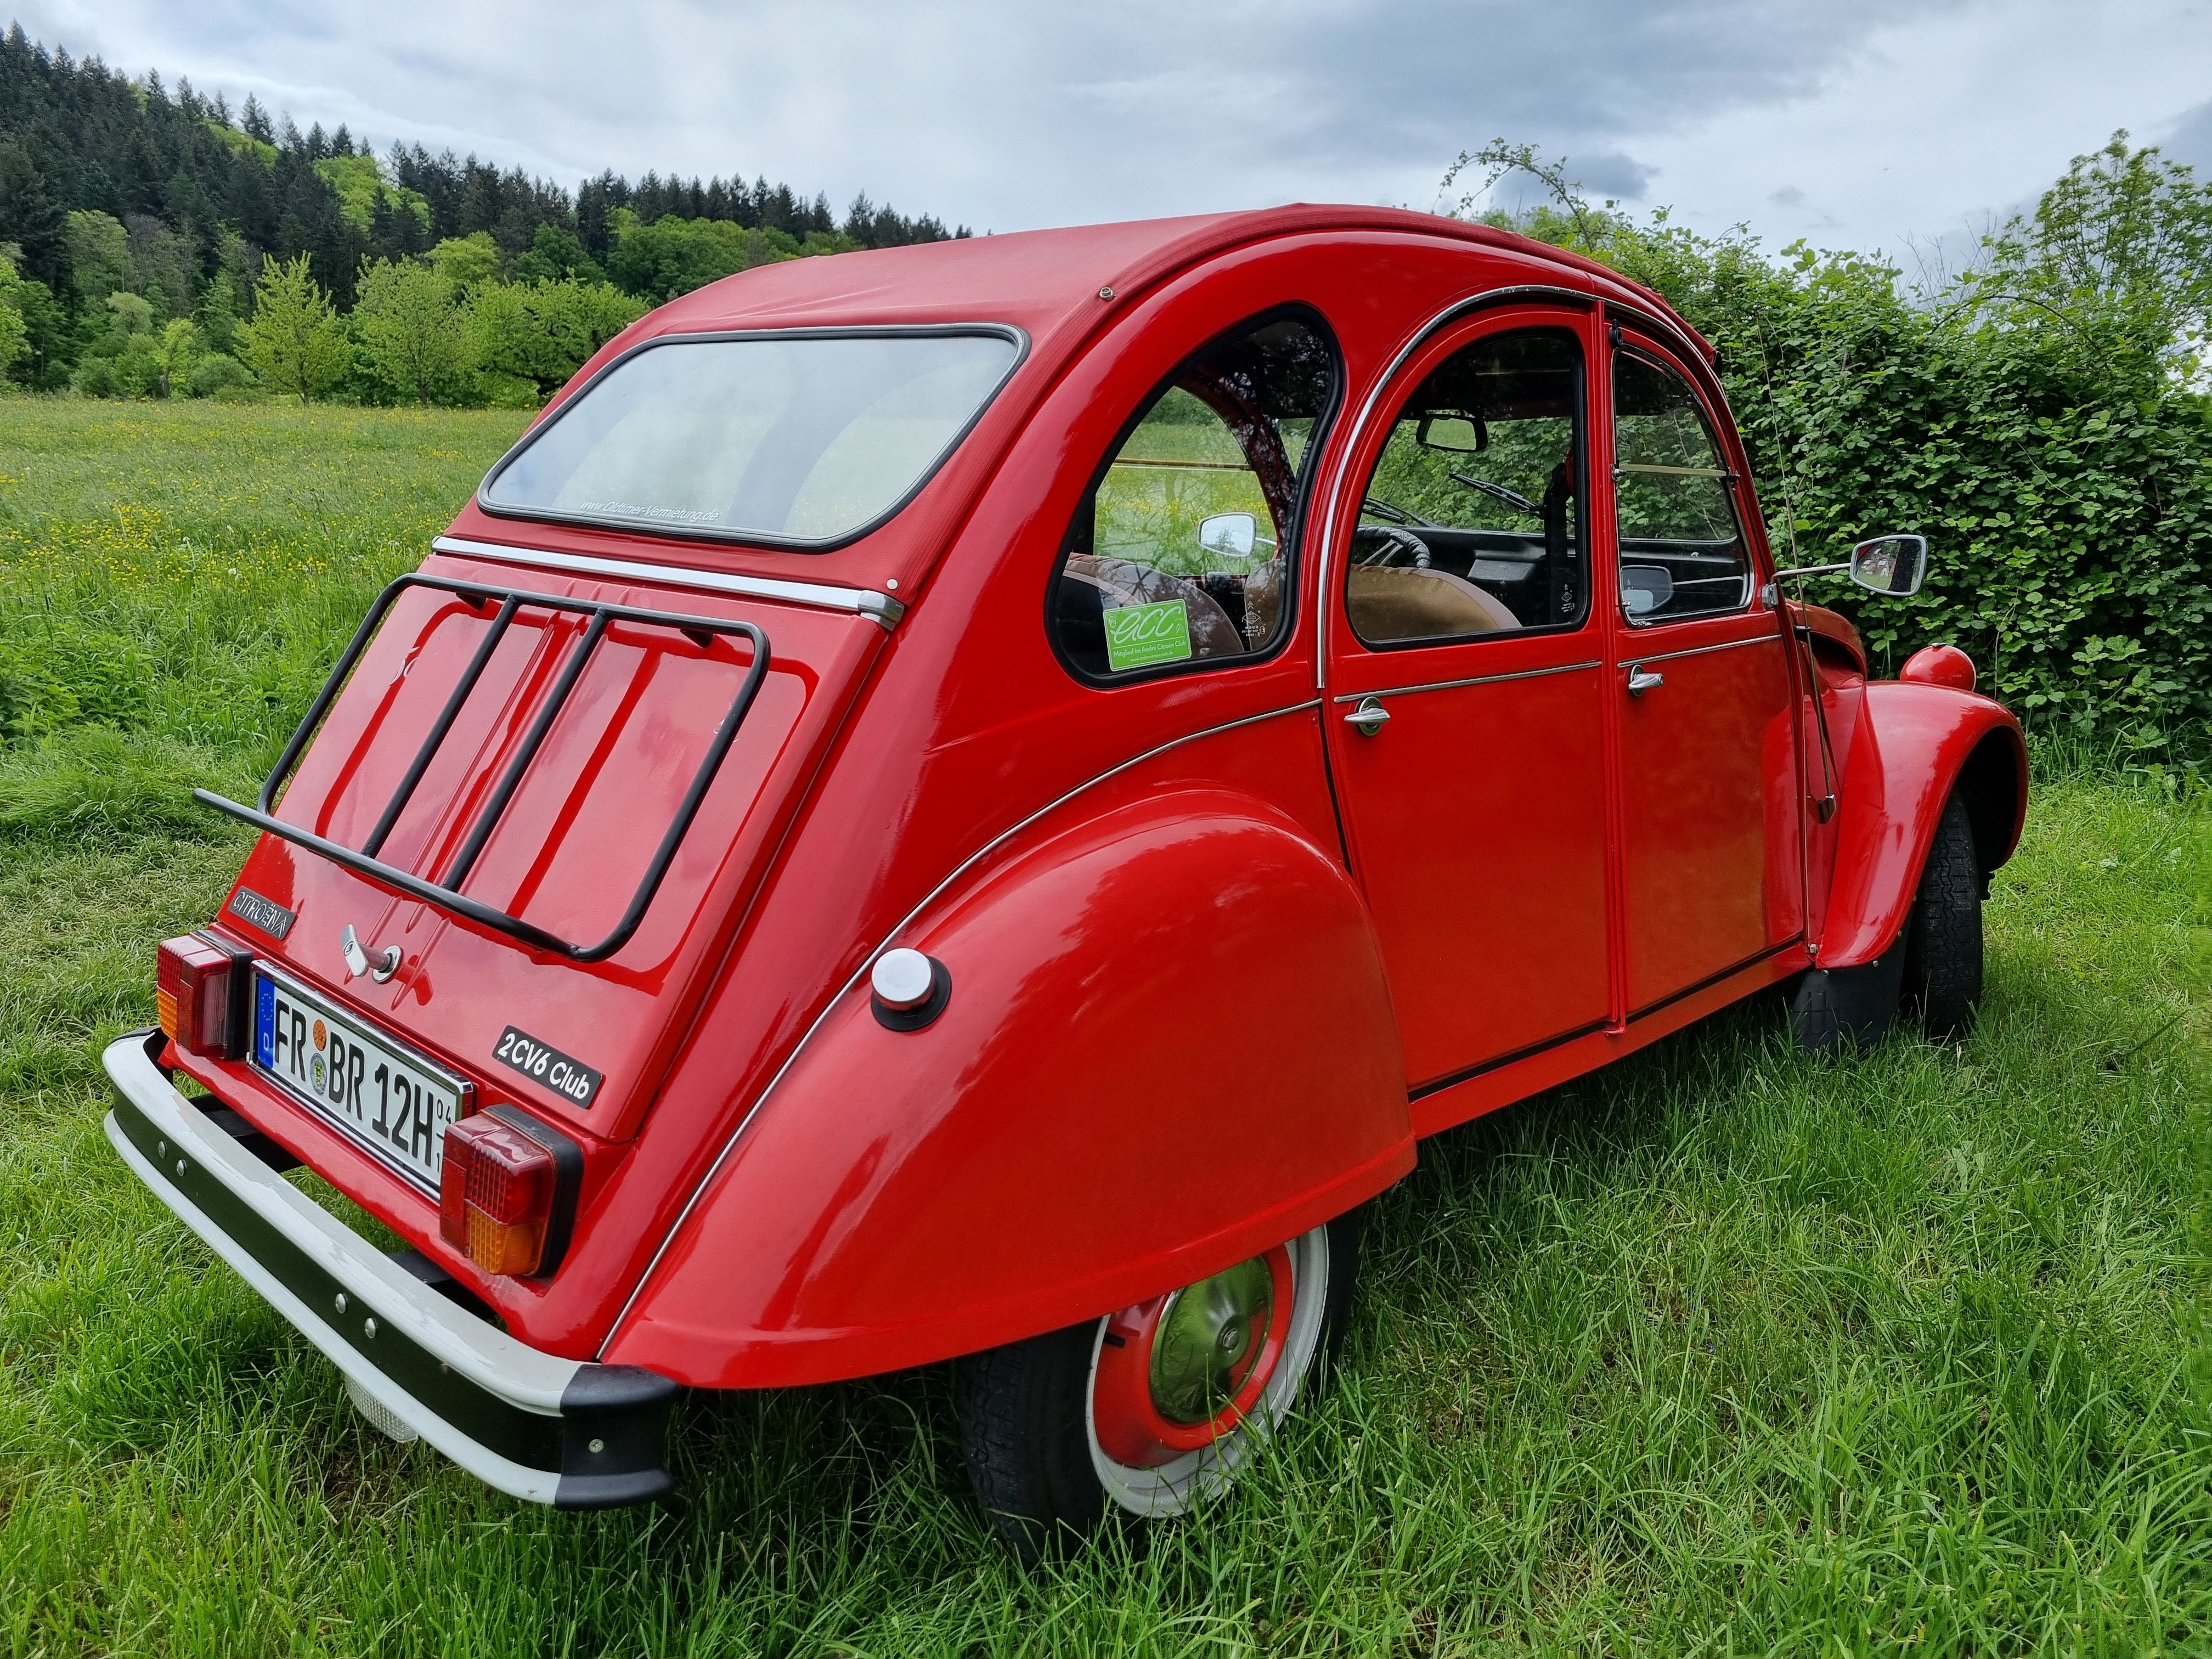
(2189, 138)
(1006, 113)
(1788, 196)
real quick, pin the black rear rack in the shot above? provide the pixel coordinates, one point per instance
(446, 894)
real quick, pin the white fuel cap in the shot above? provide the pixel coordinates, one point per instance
(902, 979)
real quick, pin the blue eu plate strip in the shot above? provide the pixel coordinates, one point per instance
(265, 1022)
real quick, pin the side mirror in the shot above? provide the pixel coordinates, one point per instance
(1455, 435)
(1894, 565)
(1645, 588)
(1228, 535)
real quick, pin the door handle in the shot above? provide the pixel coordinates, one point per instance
(1642, 679)
(1369, 717)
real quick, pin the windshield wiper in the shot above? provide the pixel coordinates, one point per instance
(1512, 498)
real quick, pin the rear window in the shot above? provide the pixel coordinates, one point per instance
(799, 438)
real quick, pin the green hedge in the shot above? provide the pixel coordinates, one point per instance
(2039, 419)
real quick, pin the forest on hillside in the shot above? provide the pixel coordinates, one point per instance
(141, 226)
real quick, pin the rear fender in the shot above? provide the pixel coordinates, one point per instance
(1169, 1046)
(1911, 746)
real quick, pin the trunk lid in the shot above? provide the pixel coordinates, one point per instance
(566, 852)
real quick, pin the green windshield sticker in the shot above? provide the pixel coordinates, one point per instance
(1139, 636)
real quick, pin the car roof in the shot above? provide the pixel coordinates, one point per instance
(1039, 280)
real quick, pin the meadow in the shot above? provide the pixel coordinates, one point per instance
(1723, 1350)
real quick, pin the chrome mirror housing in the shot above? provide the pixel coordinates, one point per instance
(1894, 565)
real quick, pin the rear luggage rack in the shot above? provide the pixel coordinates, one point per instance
(446, 895)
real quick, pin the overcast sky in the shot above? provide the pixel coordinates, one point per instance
(1868, 124)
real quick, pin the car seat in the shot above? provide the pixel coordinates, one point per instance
(1390, 603)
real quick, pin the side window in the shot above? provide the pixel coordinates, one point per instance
(1681, 546)
(1180, 551)
(1471, 523)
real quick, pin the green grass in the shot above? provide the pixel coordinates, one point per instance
(1722, 1350)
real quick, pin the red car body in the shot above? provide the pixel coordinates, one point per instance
(777, 1188)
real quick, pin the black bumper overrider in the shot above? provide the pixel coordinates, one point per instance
(552, 1430)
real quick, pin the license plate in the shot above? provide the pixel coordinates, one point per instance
(384, 1096)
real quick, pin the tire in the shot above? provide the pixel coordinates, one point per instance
(1030, 1423)
(1943, 959)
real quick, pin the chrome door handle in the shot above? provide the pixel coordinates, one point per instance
(1369, 717)
(1642, 679)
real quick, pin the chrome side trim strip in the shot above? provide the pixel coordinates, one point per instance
(1450, 313)
(1453, 685)
(862, 601)
(859, 973)
(1700, 650)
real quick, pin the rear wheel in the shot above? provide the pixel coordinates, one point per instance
(1943, 958)
(1147, 1412)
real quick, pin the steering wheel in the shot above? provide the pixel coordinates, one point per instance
(1397, 542)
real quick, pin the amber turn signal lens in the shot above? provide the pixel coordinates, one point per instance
(496, 1194)
(195, 984)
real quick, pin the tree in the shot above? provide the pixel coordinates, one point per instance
(29, 217)
(544, 332)
(295, 342)
(14, 333)
(464, 261)
(98, 249)
(414, 335)
(2120, 251)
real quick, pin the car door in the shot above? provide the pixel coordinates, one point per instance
(1710, 824)
(1466, 691)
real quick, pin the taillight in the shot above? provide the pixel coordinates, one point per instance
(507, 1191)
(200, 995)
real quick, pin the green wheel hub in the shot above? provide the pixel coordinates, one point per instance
(1205, 1338)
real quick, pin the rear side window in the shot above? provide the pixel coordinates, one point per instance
(1682, 550)
(1182, 550)
(804, 439)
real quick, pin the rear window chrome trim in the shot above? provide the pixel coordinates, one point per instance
(1018, 338)
(861, 601)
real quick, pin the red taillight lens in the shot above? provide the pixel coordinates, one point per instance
(198, 994)
(501, 1190)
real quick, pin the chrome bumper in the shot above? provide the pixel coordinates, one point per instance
(560, 1431)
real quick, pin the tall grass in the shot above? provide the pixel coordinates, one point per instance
(1722, 1349)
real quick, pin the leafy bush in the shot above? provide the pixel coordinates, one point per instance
(216, 373)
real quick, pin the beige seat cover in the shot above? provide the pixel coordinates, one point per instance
(1391, 603)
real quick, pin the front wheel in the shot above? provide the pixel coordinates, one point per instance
(1144, 1413)
(1943, 958)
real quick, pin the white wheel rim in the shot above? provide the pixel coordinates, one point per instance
(1178, 1486)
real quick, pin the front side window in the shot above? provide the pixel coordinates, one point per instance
(1681, 546)
(1471, 524)
(1180, 551)
(798, 438)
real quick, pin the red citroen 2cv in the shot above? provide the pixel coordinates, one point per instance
(977, 801)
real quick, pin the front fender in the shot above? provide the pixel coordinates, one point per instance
(1912, 745)
(1169, 1046)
